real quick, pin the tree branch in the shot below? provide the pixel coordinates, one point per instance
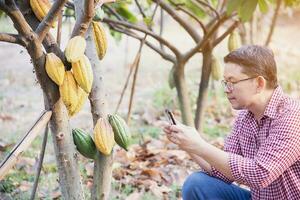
(113, 12)
(138, 28)
(140, 8)
(208, 6)
(186, 25)
(206, 38)
(162, 53)
(20, 24)
(82, 24)
(49, 19)
(229, 30)
(274, 18)
(179, 7)
(12, 38)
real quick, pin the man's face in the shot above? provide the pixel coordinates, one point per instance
(242, 92)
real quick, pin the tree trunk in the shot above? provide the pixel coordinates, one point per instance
(183, 95)
(274, 19)
(69, 177)
(203, 89)
(103, 164)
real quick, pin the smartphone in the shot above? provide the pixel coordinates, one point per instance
(170, 116)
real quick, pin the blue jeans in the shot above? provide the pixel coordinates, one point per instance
(200, 186)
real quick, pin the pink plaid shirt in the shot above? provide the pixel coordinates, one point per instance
(265, 155)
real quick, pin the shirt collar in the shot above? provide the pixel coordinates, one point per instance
(274, 103)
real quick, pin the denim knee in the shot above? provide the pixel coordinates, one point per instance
(191, 188)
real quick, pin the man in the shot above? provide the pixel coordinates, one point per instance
(263, 149)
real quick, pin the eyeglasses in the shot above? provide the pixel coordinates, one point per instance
(230, 85)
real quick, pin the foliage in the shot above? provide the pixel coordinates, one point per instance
(246, 8)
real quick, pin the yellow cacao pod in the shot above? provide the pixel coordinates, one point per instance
(234, 41)
(40, 9)
(216, 70)
(83, 73)
(75, 48)
(68, 91)
(82, 97)
(55, 68)
(100, 39)
(104, 136)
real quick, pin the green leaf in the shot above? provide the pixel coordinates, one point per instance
(195, 9)
(123, 10)
(116, 35)
(246, 10)
(263, 6)
(148, 21)
(232, 5)
(99, 14)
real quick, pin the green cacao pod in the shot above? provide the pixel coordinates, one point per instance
(234, 41)
(171, 78)
(84, 143)
(121, 130)
(216, 71)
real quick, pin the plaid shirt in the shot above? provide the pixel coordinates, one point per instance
(265, 155)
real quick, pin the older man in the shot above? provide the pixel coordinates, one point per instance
(263, 149)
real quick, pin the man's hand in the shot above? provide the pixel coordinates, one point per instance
(186, 137)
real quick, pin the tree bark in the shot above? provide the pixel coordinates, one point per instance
(203, 89)
(69, 177)
(103, 164)
(274, 19)
(183, 95)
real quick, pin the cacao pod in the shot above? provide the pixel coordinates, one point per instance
(75, 49)
(40, 9)
(234, 41)
(216, 71)
(171, 78)
(68, 91)
(104, 136)
(81, 96)
(84, 143)
(121, 130)
(55, 68)
(100, 39)
(83, 73)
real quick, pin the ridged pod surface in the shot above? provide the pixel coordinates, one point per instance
(55, 68)
(83, 73)
(82, 97)
(216, 71)
(68, 91)
(121, 130)
(84, 143)
(100, 39)
(75, 48)
(234, 41)
(171, 78)
(40, 9)
(104, 136)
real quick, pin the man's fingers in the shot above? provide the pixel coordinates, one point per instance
(175, 128)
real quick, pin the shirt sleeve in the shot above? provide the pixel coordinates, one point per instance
(232, 145)
(278, 153)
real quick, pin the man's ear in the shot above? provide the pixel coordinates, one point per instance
(261, 83)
